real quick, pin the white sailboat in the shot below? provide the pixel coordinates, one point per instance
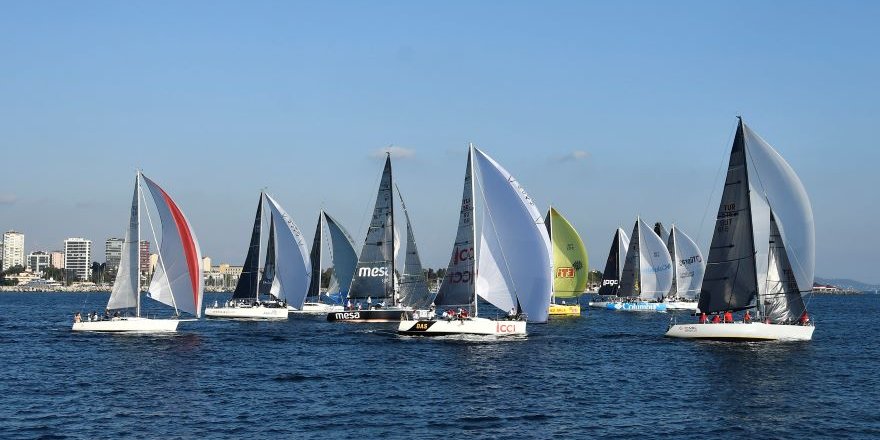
(344, 261)
(178, 280)
(613, 271)
(286, 274)
(762, 255)
(647, 273)
(688, 274)
(511, 267)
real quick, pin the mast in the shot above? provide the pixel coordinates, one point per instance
(259, 249)
(320, 251)
(552, 267)
(137, 184)
(473, 226)
(391, 218)
(741, 132)
(674, 263)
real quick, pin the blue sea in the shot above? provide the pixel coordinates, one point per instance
(605, 375)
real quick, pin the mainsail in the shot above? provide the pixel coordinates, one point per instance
(458, 283)
(569, 256)
(343, 256)
(292, 266)
(731, 282)
(413, 284)
(315, 258)
(375, 267)
(514, 261)
(614, 264)
(689, 265)
(126, 287)
(268, 282)
(246, 288)
(179, 280)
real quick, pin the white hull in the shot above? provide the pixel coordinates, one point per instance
(468, 326)
(315, 309)
(247, 312)
(681, 305)
(128, 324)
(755, 331)
(599, 304)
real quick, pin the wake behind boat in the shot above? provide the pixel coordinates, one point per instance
(517, 279)
(178, 281)
(764, 224)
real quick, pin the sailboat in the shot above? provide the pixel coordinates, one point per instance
(647, 272)
(570, 265)
(344, 261)
(613, 270)
(763, 249)
(373, 295)
(286, 274)
(178, 280)
(511, 267)
(688, 274)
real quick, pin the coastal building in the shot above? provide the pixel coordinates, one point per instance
(147, 263)
(13, 249)
(78, 258)
(112, 254)
(37, 262)
(56, 259)
(206, 264)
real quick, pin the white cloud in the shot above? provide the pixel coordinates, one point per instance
(574, 156)
(8, 198)
(396, 152)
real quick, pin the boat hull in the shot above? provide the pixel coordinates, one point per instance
(246, 312)
(681, 305)
(637, 306)
(128, 324)
(565, 310)
(468, 326)
(318, 309)
(376, 315)
(740, 331)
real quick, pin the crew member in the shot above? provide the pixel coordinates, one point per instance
(747, 318)
(716, 319)
(703, 318)
(805, 319)
(728, 317)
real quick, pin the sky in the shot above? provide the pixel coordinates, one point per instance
(606, 110)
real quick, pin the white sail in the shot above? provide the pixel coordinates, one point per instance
(125, 288)
(774, 180)
(623, 245)
(689, 265)
(293, 269)
(655, 265)
(179, 280)
(516, 240)
(492, 282)
(342, 255)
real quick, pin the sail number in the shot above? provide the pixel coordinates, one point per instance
(565, 272)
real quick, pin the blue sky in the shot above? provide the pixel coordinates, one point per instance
(607, 110)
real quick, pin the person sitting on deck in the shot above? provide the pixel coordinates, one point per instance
(747, 317)
(728, 317)
(77, 317)
(463, 314)
(805, 319)
(703, 318)
(716, 319)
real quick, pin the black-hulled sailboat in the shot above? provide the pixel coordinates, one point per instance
(763, 250)
(613, 270)
(373, 295)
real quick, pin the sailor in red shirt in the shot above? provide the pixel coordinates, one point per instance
(702, 318)
(728, 317)
(716, 319)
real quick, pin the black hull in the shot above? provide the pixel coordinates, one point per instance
(369, 316)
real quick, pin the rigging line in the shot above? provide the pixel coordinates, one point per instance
(724, 156)
(161, 259)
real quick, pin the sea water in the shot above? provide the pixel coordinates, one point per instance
(604, 375)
